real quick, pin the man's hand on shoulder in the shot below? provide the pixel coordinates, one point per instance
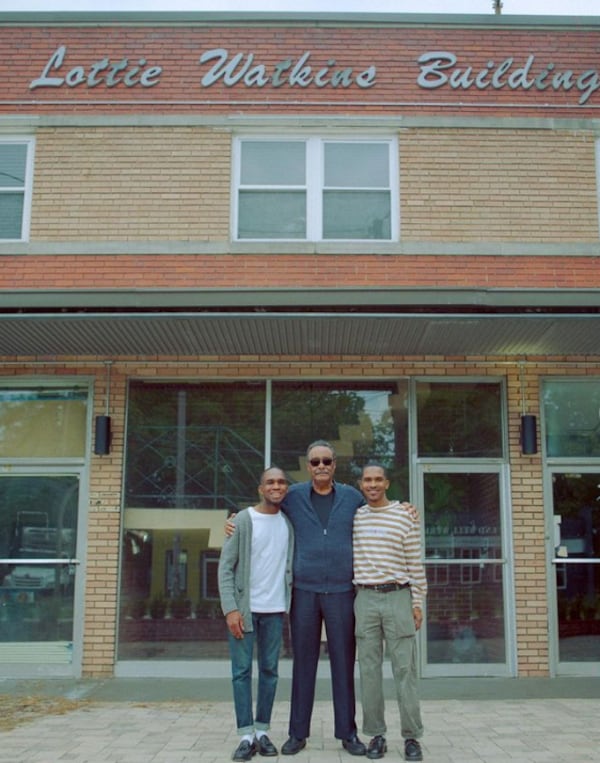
(412, 510)
(229, 525)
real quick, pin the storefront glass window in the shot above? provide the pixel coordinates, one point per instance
(572, 418)
(43, 423)
(38, 532)
(194, 454)
(363, 421)
(577, 561)
(462, 420)
(463, 552)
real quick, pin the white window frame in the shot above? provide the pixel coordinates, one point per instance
(28, 186)
(315, 171)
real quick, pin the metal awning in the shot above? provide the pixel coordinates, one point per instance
(298, 333)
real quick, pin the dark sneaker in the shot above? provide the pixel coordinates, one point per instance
(412, 750)
(266, 747)
(293, 745)
(245, 750)
(377, 747)
(354, 746)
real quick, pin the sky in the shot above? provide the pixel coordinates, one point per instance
(510, 7)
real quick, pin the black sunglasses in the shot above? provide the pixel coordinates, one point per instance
(324, 461)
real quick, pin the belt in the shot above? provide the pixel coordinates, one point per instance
(383, 587)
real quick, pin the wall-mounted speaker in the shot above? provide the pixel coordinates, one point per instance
(102, 439)
(528, 435)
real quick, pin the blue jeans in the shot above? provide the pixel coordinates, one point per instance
(267, 633)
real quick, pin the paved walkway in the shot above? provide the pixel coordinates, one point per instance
(132, 730)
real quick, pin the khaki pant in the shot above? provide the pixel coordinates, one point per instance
(387, 617)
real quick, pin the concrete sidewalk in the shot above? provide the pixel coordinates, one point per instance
(165, 721)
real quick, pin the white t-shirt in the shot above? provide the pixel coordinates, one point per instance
(269, 554)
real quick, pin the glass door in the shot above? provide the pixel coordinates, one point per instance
(38, 571)
(468, 572)
(576, 562)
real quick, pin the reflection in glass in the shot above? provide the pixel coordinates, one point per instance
(194, 446)
(465, 602)
(572, 418)
(195, 453)
(272, 215)
(465, 618)
(46, 423)
(356, 215)
(462, 515)
(38, 521)
(459, 420)
(576, 505)
(578, 605)
(364, 421)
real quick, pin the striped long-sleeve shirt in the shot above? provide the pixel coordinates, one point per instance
(387, 548)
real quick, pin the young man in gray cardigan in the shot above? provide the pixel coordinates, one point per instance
(255, 580)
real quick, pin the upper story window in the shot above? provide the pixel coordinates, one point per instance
(315, 189)
(15, 187)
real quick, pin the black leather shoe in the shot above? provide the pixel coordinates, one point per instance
(245, 750)
(377, 747)
(266, 747)
(292, 746)
(412, 750)
(354, 746)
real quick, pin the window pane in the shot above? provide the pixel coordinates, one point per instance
(272, 215)
(362, 421)
(572, 418)
(356, 215)
(194, 453)
(357, 165)
(462, 515)
(459, 420)
(465, 617)
(11, 215)
(13, 158)
(273, 163)
(575, 503)
(465, 609)
(194, 446)
(43, 423)
(38, 520)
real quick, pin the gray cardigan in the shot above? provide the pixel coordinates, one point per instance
(234, 569)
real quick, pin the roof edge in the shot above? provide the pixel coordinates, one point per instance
(141, 18)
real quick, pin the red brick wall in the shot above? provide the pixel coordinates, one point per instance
(393, 48)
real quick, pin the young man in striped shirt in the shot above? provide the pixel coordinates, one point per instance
(390, 588)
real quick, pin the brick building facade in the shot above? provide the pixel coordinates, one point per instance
(230, 234)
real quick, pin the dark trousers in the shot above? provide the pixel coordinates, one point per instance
(308, 612)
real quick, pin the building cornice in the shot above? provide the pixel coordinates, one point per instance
(313, 19)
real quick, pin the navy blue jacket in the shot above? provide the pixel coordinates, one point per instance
(322, 556)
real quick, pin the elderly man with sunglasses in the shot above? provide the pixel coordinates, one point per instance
(322, 514)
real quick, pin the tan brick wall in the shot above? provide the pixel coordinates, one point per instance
(131, 184)
(527, 499)
(104, 532)
(140, 184)
(498, 185)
